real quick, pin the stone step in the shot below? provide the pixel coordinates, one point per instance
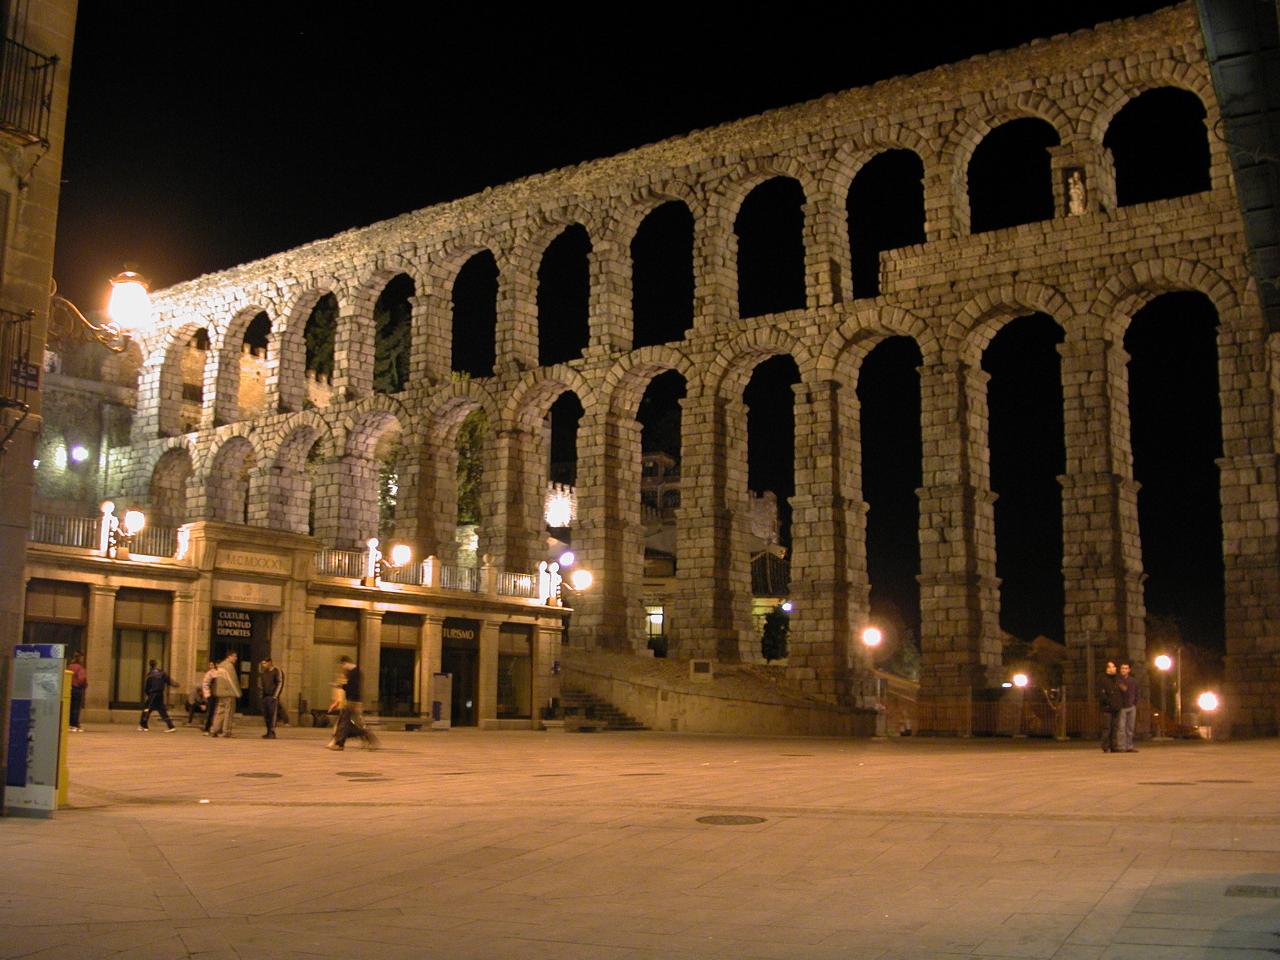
(582, 703)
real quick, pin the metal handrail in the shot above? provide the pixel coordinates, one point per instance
(460, 578)
(156, 542)
(517, 585)
(18, 375)
(341, 563)
(26, 92)
(64, 531)
(413, 574)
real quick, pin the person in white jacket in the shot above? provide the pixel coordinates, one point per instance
(228, 692)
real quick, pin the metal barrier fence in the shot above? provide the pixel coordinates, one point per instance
(460, 578)
(341, 563)
(413, 574)
(517, 585)
(63, 531)
(156, 542)
(26, 91)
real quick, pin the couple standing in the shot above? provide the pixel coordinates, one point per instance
(221, 687)
(1118, 701)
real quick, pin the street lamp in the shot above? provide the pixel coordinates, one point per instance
(1164, 663)
(129, 310)
(376, 561)
(117, 533)
(1208, 702)
(871, 639)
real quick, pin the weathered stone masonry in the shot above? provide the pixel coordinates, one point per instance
(1090, 272)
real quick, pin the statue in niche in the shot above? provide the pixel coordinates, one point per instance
(1076, 195)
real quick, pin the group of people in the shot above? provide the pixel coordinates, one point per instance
(1118, 701)
(220, 690)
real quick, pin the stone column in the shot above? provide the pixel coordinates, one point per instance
(546, 658)
(353, 351)
(262, 488)
(512, 499)
(829, 587)
(1250, 492)
(428, 503)
(299, 658)
(715, 262)
(602, 613)
(959, 592)
(431, 339)
(517, 332)
(609, 310)
(346, 501)
(220, 403)
(370, 659)
(430, 652)
(487, 708)
(828, 266)
(183, 643)
(98, 656)
(1104, 616)
(711, 608)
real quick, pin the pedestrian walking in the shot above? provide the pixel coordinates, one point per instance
(351, 713)
(154, 686)
(227, 693)
(1127, 687)
(79, 684)
(208, 687)
(1109, 707)
(271, 685)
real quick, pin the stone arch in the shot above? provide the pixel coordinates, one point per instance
(626, 381)
(982, 317)
(957, 152)
(225, 370)
(448, 406)
(291, 498)
(628, 213)
(161, 393)
(1116, 90)
(170, 470)
(289, 388)
(844, 349)
(838, 175)
(729, 193)
(365, 423)
(538, 389)
(1126, 292)
(227, 476)
(729, 372)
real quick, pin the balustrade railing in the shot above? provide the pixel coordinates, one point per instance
(26, 91)
(414, 574)
(517, 585)
(156, 542)
(460, 578)
(341, 563)
(61, 531)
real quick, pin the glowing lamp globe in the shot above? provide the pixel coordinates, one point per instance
(872, 637)
(567, 558)
(1020, 680)
(130, 303)
(581, 579)
(401, 554)
(1164, 662)
(1207, 702)
(134, 521)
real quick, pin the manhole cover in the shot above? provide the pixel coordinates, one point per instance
(359, 773)
(795, 754)
(1166, 783)
(260, 776)
(729, 820)
(367, 779)
(1224, 781)
(653, 774)
(1252, 891)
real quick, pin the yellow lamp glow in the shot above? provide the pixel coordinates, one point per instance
(872, 637)
(581, 579)
(401, 554)
(130, 303)
(134, 521)
(1164, 662)
(1207, 702)
(1020, 680)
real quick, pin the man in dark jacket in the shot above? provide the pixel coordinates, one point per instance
(1127, 715)
(271, 684)
(153, 690)
(351, 716)
(1109, 707)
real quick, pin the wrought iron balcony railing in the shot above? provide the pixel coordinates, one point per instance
(26, 92)
(20, 376)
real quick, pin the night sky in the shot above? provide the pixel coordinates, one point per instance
(192, 147)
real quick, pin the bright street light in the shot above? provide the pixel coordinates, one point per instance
(130, 303)
(581, 579)
(1020, 680)
(1207, 702)
(1164, 662)
(872, 637)
(401, 554)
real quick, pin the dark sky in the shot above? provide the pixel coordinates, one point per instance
(196, 145)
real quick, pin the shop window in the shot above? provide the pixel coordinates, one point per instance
(515, 673)
(398, 665)
(56, 612)
(337, 634)
(141, 635)
(655, 627)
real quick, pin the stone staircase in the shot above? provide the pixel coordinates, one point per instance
(576, 703)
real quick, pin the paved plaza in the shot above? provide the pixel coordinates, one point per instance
(550, 845)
